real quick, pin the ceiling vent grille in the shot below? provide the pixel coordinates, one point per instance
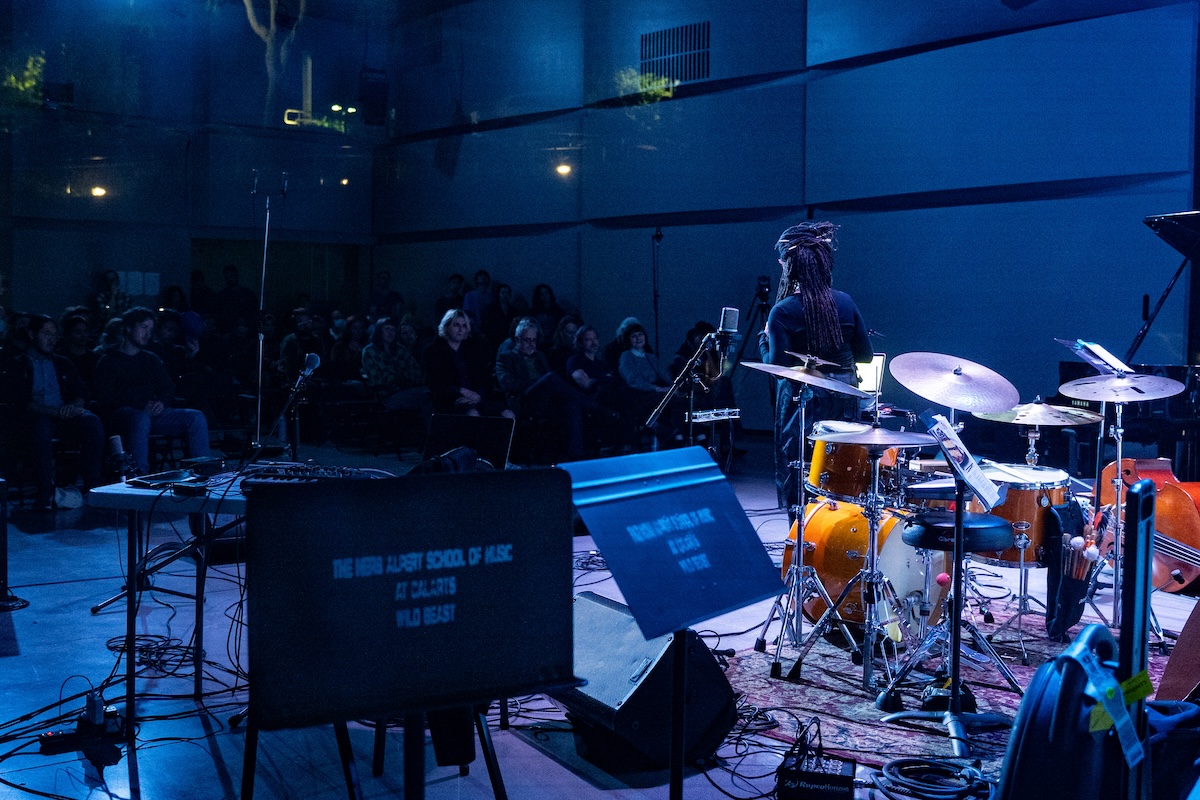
(677, 54)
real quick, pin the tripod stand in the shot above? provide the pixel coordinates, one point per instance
(801, 579)
(758, 310)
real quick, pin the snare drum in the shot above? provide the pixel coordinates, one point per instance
(843, 471)
(837, 534)
(1031, 492)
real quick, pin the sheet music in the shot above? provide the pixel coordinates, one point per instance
(958, 457)
(1096, 355)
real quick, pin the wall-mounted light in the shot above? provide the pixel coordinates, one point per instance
(345, 181)
(563, 169)
(335, 107)
(99, 191)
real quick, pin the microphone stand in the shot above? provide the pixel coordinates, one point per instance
(262, 296)
(291, 442)
(685, 374)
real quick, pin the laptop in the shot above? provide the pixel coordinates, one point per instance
(870, 376)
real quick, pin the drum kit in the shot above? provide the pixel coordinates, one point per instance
(863, 554)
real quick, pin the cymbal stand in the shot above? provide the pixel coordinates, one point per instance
(1031, 455)
(801, 579)
(1118, 435)
(1022, 542)
(954, 719)
(871, 584)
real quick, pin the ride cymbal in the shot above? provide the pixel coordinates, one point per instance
(954, 382)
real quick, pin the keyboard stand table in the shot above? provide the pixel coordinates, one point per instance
(139, 505)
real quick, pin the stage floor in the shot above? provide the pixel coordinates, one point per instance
(55, 650)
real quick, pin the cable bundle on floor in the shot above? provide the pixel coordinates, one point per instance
(930, 779)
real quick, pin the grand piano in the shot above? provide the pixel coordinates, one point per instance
(1172, 425)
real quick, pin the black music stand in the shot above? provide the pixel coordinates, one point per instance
(680, 548)
(954, 718)
(408, 573)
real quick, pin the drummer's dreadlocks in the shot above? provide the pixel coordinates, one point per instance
(806, 253)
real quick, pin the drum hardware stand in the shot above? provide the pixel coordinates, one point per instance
(1022, 542)
(1118, 435)
(954, 719)
(801, 578)
(872, 585)
(1031, 455)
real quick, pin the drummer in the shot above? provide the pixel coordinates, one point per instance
(813, 318)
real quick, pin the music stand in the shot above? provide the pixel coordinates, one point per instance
(680, 548)
(966, 471)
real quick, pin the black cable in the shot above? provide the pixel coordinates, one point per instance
(930, 779)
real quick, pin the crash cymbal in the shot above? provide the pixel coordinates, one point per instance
(1122, 388)
(1039, 413)
(811, 361)
(954, 382)
(877, 438)
(808, 376)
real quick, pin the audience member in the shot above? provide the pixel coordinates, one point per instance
(346, 354)
(614, 348)
(110, 299)
(393, 372)
(545, 308)
(136, 393)
(499, 316)
(52, 396)
(452, 297)
(457, 370)
(476, 301)
(76, 346)
(562, 344)
(383, 300)
(640, 371)
(296, 346)
(534, 391)
(173, 298)
(234, 301)
(202, 299)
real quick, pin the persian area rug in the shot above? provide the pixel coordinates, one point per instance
(830, 688)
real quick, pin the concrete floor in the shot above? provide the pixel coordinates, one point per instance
(53, 652)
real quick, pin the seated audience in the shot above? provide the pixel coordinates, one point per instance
(458, 372)
(640, 371)
(52, 396)
(136, 394)
(76, 347)
(534, 391)
(393, 373)
(346, 354)
(545, 308)
(562, 343)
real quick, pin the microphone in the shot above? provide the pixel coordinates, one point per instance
(311, 362)
(726, 332)
(873, 332)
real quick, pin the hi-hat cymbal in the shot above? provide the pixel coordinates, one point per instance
(954, 382)
(1122, 388)
(876, 437)
(808, 376)
(1039, 413)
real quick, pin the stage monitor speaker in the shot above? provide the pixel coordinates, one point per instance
(625, 709)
